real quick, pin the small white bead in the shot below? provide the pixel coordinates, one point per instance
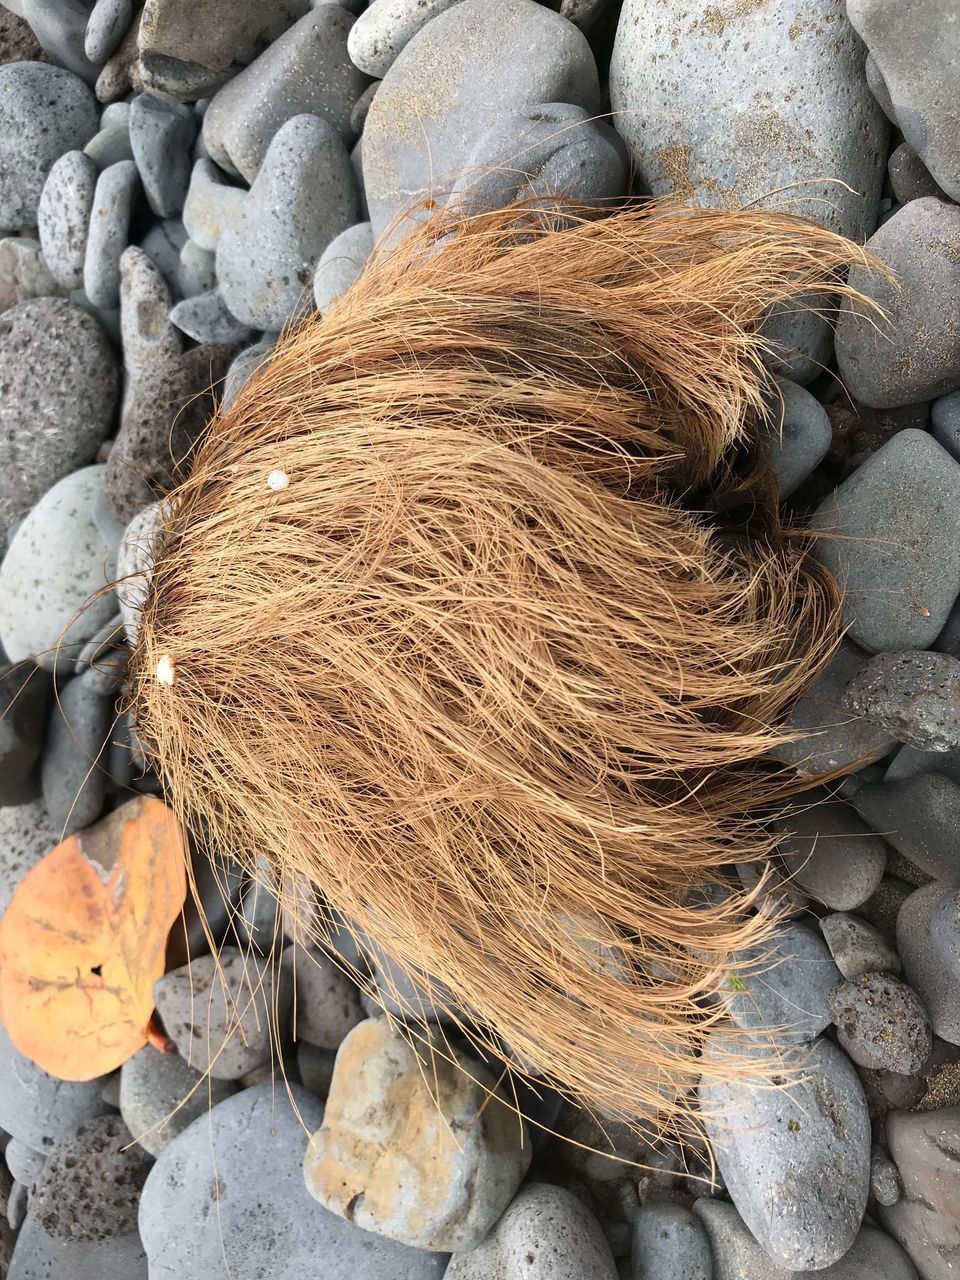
(165, 671)
(277, 480)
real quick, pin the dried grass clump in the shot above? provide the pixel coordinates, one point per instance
(483, 669)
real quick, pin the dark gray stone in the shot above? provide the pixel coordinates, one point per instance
(945, 420)
(919, 817)
(44, 111)
(205, 318)
(945, 931)
(796, 1160)
(908, 762)
(160, 1095)
(233, 1184)
(108, 23)
(898, 559)
(926, 1220)
(25, 693)
(881, 1023)
(316, 1068)
(36, 1108)
(327, 1001)
(782, 984)
(74, 763)
(57, 399)
(27, 832)
(258, 921)
(797, 436)
(830, 852)
(669, 1243)
(909, 177)
(385, 27)
(915, 695)
(857, 948)
(340, 263)
(161, 135)
(885, 1185)
(926, 963)
(63, 216)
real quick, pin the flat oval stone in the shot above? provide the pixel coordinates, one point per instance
(109, 231)
(925, 966)
(63, 216)
(211, 204)
(926, 1149)
(669, 1243)
(108, 24)
(340, 264)
(797, 436)
(857, 947)
(783, 985)
(830, 851)
(160, 1096)
(161, 135)
(385, 27)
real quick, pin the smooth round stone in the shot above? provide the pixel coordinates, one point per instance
(909, 177)
(797, 436)
(925, 966)
(925, 1147)
(340, 264)
(304, 195)
(211, 204)
(162, 245)
(545, 1234)
(914, 695)
(243, 365)
(881, 1024)
(35, 1107)
(945, 422)
(108, 235)
(198, 270)
(885, 1185)
(883, 363)
(24, 1163)
(111, 144)
(385, 27)
(108, 24)
(919, 817)
(224, 1014)
(74, 787)
(945, 931)
(857, 948)
(57, 562)
(304, 72)
(60, 26)
(82, 1217)
(161, 135)
(830, 852)
(327, 1001)
(796, 1161)
(205, 318)
(160, 1096)
(457, 76)
(25, 695)
(669, 1243)
(134, 564)
(121, 73)
(63, 216)
(44, 111)
(241, 1167)
(27, 833)
(782, 984)
(897, 515)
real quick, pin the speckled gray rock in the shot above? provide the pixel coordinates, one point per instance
(945, 422)
(546, 1234)
(784, 983)
(897, 514)
(885, 1185)
(796, 1161)
(392, 1159)
(242, 367)
(305, 72)
(162, 244)
(677, 86)
(82, 1218)
(327, 1001)
(198, 270)
(44, 111)
(205, 318)
(56, 562)
(74, 787)
(224, 1016)
(160, 1096)
(63, 216)
(35, 1107)
(108, 24)
(737, 1256)
(24, 273)
(857, 948)
(206, 1176)
(915, 695)
(27, 832)
(914, 48)
(916, 356)
(161, 135)
(150, 341)
(539, 152)
(926, 1148)
(881, 1024)
(340, 263)
(834, 737)
(830, 852)
(456, 77)
(112, 143)
(25, 694)
(24, 1163)
(924, 965)
(108, 234)
(945, 931)
(211, 204)
(909, 177)
(60, 26)
(797, 436)
(919, 817)
(304, 195)
(669, 1243)
(385, 27)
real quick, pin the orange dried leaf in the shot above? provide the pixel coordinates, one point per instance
(83, 940)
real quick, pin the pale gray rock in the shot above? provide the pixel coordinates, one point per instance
(830, 852)
(63, 216)
(924, 965)
(926, 1148)
(160, 1095)
(797, 436)
(915, 695)
(340, 264)
(150, 341)
(112, 143)
(243, 366)
(782, 984)
(205, 318)
(36, 1108)
(162, 245)
(134, 565)
(24, 273)
(385, 27)
(198, 270)
(881, 1023)
(108, 23)
(61, 26)
(327, 1002)
(161, 136)
(211, 204)
(857, 947)
(108, 233)
(24, 1163)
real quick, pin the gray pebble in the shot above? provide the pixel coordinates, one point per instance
(74, 783)
(35, 1107)
(160, 1096)
(258, 921)
(17, 1206)
(223, 1015)
(909, 177)
(303, 196)
(82, 1218)
(244, 364)
(242, 1168)
(56, 563)
(340, 264)
(60, 26)
(883, 363)
(327, 1001)
(210, 205)
(25, 694)
(44, 111)
(316, 1068)
(925, 1147)
(134, 564)
(161, 135)
(198, 270)
(919, 817)
(857, 948)
(24, 1163)
(150, 342)
(63, 216)
(205, 318)
(24, 273)
(945, 931)
(385, 27)
(885, 1185)
(899, 555)
(830, 852)
(797, 436)
(108, 234)
(878, 87)
(108, 24)
(467, 68)
(111, 144)
(945, 420)
(669, 1243)
(545, 1234)
(27, 833)
(358, 114)
(924, 964)
(881, 1024)
(908, 762)
(304, 72)
(796, 1160)
(783, 984)
(400, 994)
(162, 245)
(914, 695)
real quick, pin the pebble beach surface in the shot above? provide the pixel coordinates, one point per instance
(179, 180)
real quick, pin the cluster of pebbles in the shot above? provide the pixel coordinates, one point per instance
(179, 180)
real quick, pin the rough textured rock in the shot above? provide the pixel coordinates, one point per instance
(24, 273)
(242, 1167)
(36, 1108)
(57, 399)
(916, 356)
(160, 1096)
(669, 1243)
(784, 984)
(796, 1161)
(899, 510)
(25, 694)
(926, 1221)
(919, 818)
(881, 1024)
(63, 216)
(830, 852)
(458, 75)
(390, 1159)
(857, 948)
(923, 962)
(17, 41)
(150, 342)
(915, 695)
(27, 832)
